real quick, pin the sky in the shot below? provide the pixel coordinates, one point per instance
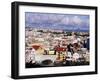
(70, 22)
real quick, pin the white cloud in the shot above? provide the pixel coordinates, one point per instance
(65, 20)
(76, 20)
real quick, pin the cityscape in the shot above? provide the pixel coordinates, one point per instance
(49, 43)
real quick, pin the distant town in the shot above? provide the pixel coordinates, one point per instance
(52, 47)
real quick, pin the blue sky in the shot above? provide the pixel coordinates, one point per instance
(73, 22)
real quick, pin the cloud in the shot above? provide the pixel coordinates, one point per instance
(65, 20)
(76, 20)
(57, 19)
